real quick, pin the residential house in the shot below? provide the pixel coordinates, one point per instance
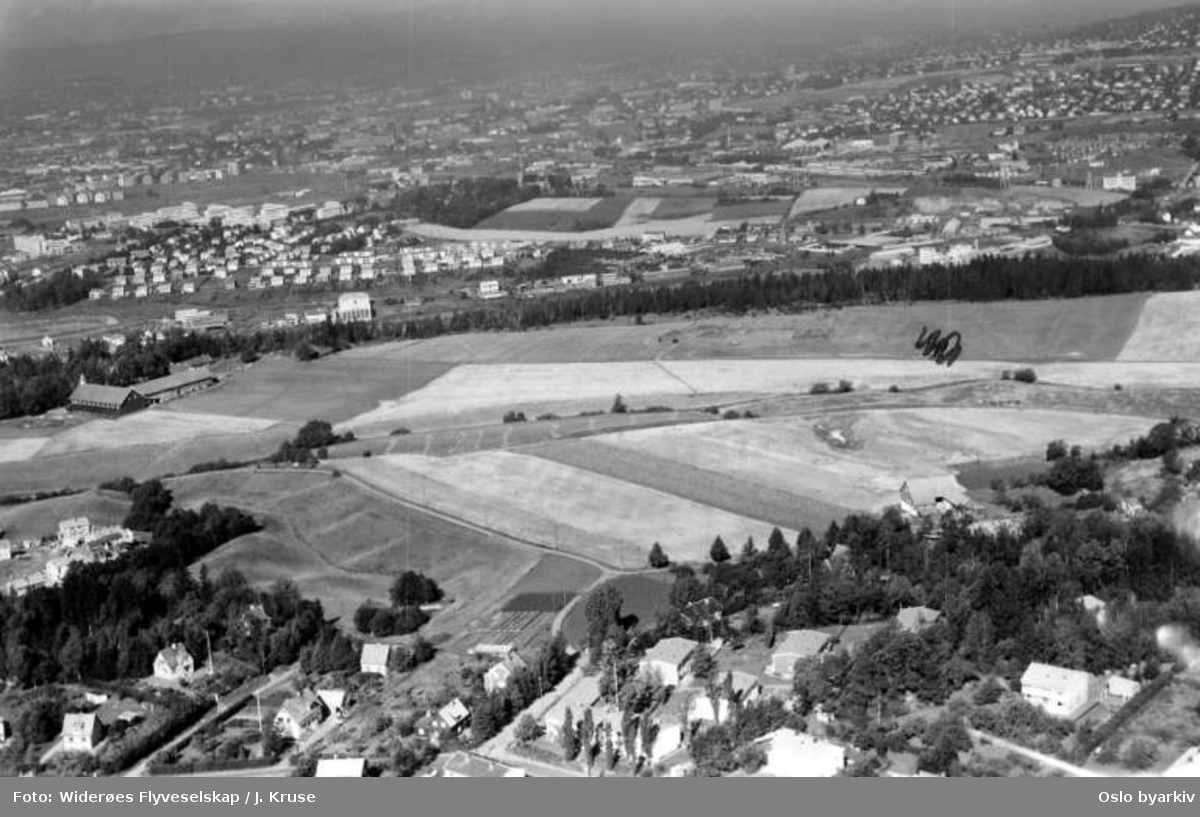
(796, 644)
(5, 732)
(74, 532)
(915, 619)
(334, 700)
(447, 721)
(6, 550)
(499, 674)
(299, 713)
(1056, 690)
(353, 306)
(795, 754)
(671, 720)
(81, 732)
(668, 659)
(745, 689)
(583, 694)
(174, 664)
(374, 659)
(1186, 765)
(1119, 691)
(341, 767)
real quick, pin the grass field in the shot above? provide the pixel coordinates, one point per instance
(559, 215)
(640, 209)
(1165, 330)
(36, 519)
(826, 198)
(85, 469)
(683, 206)
(712, 487)
(738, 211)
(558, 506)
(344, 545)
(881, 449)
(152, 427)
(332, 388)
(643, 596)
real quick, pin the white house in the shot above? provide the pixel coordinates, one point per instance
(914, 619)
(334, 701)
(299, 713)
(1055, 690)
(174, 664)
(795, 754)
(498, 675)
(80, 732)
(374, 659)
(1119, 691)
(746, 689)
(446, 721)
(341, 767)
(668, 659)
(796, 644)
(353, 306)
(74, 532)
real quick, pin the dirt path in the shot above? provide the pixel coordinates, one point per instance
(1038, 757)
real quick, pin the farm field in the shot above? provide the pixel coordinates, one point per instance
(682, 206)
(36, 519)
(343, 545)
(714, 488)
(84, 469)
(150, 427)
(738, 211)
(1094, 328)
(829, 198)
(1165, 330)
(584, 513)
(644, 595)
(332, 388)
(642, 209)
(559, 215)
(859, 460)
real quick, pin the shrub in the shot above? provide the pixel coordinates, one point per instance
(845, 386)
(400, 432)
(1006, 375)
(618, 406)
(820, 388)
(732, 415)
(894, 389)
(514, 417)
(1025, 375)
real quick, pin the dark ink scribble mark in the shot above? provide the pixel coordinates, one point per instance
(942, 350)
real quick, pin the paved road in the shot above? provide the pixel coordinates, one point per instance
(1038, 757)
(274, 680)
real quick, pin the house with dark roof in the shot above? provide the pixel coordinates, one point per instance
(176, 385)
(796, 644)
(174, 663)
(108, 400)
(436, 726)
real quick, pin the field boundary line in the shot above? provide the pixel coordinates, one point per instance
(694, 391)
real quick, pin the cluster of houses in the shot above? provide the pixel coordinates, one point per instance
(78, 541)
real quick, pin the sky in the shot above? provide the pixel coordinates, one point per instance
(33, 22)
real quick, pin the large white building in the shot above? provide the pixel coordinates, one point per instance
(1055, 690)
(353, 307)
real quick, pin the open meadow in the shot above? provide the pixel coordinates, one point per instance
(859, 460)
(343, 544)
(33, 520)
(557, 506)
(1162, 330)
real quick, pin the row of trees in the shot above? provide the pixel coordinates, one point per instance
(31, 385)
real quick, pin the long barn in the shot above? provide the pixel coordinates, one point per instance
(110, 400)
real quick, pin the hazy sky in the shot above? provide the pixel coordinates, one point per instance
(31, 21)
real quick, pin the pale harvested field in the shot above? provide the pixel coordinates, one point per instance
(882, 450)
(554, 205)
(715, 488)
(559, 506)
(639, 210)
(152, 427)
(1183, 375)
(1168, 329)
(694, 227)
(475, 392)
(21, 449)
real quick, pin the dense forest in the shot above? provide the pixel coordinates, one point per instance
(30, 385)
(107, 621)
